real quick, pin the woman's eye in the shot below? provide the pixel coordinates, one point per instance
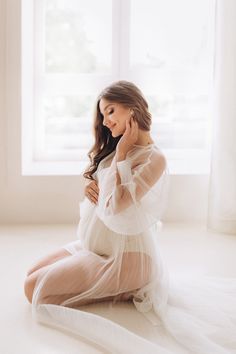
(111, 111)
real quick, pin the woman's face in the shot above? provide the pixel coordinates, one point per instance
(114, 116)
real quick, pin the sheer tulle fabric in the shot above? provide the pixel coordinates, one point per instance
(116, 258)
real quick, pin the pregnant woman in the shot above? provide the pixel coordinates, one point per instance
(116, 256)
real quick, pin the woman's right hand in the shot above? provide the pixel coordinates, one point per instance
(92, 191)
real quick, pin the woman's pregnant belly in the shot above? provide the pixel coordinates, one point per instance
(92, 232)
(97, 237)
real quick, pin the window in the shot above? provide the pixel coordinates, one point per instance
(72, 49)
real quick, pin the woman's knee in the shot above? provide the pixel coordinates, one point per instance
(31, 280)
(29, 287)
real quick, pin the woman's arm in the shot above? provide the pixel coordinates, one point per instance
(133, 183)
(119, 157)
(124, 204)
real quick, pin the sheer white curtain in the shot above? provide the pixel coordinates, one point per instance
(222, 187)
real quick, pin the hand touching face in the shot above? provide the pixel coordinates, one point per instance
(129, 137)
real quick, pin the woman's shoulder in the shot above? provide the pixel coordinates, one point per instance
(149, 160)
(159, 156)
(148, 153)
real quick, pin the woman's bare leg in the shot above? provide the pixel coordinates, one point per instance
(48, 259)
(82, 272)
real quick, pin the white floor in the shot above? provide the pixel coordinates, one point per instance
(187, 248)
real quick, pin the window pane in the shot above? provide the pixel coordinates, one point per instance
(171, 53)
(78, 36)
(179, 122)
(174, 34)
(68, 122)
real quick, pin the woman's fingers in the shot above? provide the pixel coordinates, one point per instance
(92, 197)
(93, 200)
(92, 191)
(94, 188)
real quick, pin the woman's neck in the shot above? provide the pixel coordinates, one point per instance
(144, 138)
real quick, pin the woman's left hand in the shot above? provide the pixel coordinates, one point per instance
(129, 137)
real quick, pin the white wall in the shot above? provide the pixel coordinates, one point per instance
(55, 199)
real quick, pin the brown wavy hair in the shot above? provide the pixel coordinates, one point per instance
(129, 95)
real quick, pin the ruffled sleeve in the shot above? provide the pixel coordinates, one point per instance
(133, 192)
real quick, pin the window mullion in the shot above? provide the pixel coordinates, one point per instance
(120, 40)
(39, 77)
(125, 25)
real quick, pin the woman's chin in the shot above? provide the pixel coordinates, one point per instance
(116, 133)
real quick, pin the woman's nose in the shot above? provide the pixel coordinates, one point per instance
(105, 121)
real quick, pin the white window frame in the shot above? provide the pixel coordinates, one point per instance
(180, 162)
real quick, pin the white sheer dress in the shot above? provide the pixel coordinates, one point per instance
(116, 258)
